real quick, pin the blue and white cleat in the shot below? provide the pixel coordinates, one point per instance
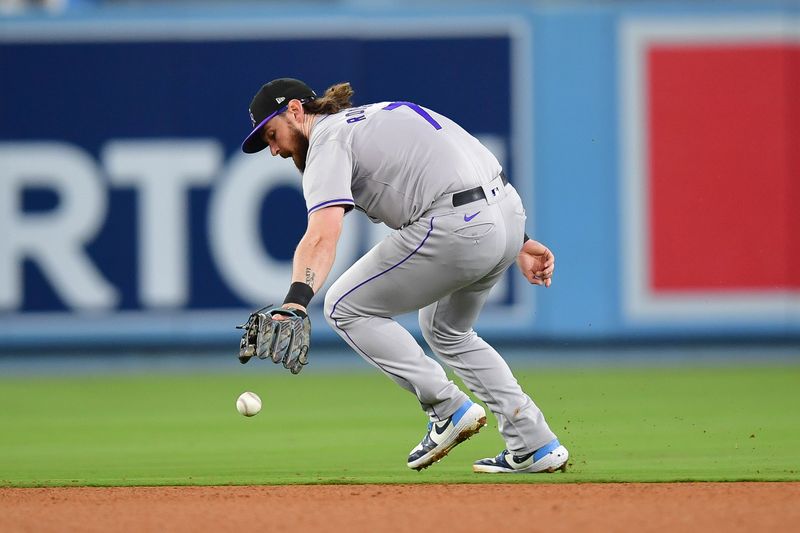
(445, 435)
(549, 458)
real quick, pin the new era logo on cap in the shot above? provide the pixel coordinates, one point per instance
(270, 101)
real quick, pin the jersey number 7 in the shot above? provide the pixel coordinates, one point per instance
(417, 109)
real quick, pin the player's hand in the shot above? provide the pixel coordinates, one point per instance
(294, 306)
(536, 262)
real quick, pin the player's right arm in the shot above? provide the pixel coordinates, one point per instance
(283, 334)
(536, 262)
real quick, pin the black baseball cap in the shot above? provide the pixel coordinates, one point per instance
(269, 101)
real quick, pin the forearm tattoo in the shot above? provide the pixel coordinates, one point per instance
(310, 275)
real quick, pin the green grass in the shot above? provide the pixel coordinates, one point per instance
(656, 424)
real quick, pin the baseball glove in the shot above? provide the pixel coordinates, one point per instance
(277, 333)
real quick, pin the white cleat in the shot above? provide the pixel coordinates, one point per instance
(445, 435)
(549, 458)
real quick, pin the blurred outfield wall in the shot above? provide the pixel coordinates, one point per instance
(656, 147)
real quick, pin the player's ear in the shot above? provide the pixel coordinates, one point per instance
(295, 108)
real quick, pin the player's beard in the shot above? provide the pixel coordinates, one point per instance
(300, 151)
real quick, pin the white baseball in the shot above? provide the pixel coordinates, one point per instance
(248, 403)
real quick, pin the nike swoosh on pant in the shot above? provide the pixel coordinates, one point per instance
(468, 218)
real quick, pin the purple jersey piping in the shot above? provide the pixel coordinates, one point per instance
(333, 310)
(337, 201)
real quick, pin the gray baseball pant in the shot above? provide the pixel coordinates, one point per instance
(443, 265)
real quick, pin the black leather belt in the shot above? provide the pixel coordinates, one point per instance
(473, 195)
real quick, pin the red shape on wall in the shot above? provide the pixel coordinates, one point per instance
(724, 167)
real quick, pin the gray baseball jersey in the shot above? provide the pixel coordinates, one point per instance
(401, 164)
(392, 161)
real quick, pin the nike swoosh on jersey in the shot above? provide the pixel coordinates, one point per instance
(468, 218)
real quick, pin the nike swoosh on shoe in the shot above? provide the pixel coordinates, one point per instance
(440, 430)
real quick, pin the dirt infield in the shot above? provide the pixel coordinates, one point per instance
(706, 507)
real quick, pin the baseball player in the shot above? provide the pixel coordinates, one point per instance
(458, 225)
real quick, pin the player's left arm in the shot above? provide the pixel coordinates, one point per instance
(314, 256)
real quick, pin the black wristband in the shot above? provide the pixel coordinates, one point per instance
(525, 238)
(299, 293)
